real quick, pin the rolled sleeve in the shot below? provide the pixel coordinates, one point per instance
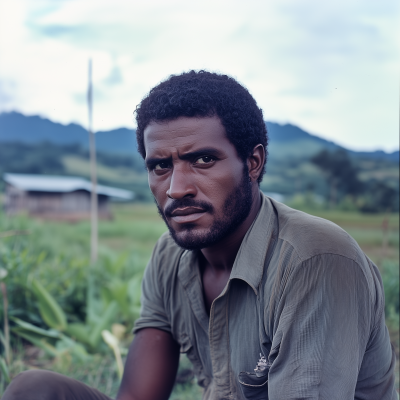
(153, 313)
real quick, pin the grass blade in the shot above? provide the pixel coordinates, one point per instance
(49, 309)
(104, 323)
(35, 329)
(4, 369)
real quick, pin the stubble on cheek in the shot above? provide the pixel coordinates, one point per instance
(235, 208)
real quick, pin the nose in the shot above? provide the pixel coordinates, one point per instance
(180, 185)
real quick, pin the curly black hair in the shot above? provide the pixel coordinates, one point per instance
(206, 94)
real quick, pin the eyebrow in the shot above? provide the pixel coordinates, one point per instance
(205, 151)
(209, 151)
(151, 162)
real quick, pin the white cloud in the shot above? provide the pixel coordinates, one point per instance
(331, 68)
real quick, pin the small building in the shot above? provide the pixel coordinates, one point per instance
(57, 197)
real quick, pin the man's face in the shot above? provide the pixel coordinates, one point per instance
(200, 184)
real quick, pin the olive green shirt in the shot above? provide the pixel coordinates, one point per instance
(301, 293)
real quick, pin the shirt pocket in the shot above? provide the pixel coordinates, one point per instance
(254, 387)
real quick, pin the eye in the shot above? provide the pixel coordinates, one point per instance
(162, 165)
(204, 160)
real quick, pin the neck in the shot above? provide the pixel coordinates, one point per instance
(221, 256)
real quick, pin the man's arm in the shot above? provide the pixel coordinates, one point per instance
(150, 367)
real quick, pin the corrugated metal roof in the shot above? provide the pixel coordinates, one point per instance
(63, 184)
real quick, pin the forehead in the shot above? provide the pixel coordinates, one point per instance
(184, 134)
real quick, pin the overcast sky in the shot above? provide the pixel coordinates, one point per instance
(331, 68)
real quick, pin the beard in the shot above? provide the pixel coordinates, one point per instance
(236, 209)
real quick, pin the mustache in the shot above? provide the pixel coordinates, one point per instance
(206, 207)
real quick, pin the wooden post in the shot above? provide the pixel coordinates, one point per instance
(93, 195)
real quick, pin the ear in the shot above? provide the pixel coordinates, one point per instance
(255, 162)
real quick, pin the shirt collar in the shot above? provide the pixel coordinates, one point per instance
(256, 245)
(250, 259)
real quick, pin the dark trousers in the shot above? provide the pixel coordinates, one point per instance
(46, 385)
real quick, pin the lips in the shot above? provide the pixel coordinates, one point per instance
(187, 214)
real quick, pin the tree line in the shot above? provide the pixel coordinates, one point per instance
(342, 177)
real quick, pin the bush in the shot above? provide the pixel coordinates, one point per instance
(390, 278)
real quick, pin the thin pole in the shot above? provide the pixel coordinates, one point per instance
(93, 196)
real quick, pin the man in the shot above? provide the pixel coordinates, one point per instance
(267, 302)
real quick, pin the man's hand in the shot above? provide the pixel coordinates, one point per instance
(150, 367)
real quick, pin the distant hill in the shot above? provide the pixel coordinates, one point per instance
(16, 127)
(291, 141)
(286, 141)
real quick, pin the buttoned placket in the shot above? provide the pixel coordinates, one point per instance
(216, 327)
(219, 315)
(218, 333)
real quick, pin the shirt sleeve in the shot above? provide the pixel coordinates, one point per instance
(153, 313)
(323, 322)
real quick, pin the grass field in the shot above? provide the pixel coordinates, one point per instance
(57, 255)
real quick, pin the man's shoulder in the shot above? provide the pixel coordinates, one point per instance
(312, 236)
(309, 243)
(165, 260)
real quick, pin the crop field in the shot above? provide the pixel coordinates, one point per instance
(55, 305)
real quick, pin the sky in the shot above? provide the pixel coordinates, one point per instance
(331, 68)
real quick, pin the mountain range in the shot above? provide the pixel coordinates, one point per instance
(284, 140)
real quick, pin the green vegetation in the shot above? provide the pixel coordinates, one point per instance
(336, 180)
(58, 304)
(370, 195)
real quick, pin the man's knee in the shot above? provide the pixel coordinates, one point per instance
(35, 385)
